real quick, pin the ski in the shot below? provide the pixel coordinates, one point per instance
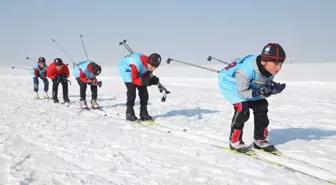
(280, 154)
(98, 111)
(146, 122)
(253, 154)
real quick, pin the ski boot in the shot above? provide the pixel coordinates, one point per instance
(262, 144)
(130, 116)
(144, 114)
(45, 95)
(240, 147)
(55, 99)
(94, 104)
(83, 104)
(36, 97)
(236, 142)
(66, 100)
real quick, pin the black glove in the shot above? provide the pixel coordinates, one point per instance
(146, 81)
(64, 78)
(277, 87)
(154, 80)
(43, 76)
(96, 83)
(99, 84)
(57, 79)
(268, 89)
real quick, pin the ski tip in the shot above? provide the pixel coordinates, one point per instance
(332, 182)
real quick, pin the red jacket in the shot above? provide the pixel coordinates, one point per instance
(135, 74)
(53, 72)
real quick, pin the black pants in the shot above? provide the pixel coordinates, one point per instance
(242, 114)
(83, 86)
(55, 89)
(131, 94)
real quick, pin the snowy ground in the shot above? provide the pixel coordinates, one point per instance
(46, 143)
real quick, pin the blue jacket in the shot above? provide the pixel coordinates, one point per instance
(125, 69)
(41, 72)
(246, 67)
(82, 66)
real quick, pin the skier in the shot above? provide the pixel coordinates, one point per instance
(58, 72)
(85, 73)
(135, 70)
(246, 83)
(40, 71)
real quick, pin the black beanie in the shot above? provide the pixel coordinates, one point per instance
(273, 52)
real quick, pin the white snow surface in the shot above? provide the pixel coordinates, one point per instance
(46, 143)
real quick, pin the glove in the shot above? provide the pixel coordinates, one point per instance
(277, 87)
(154, 80)
(146, 81)
(57, 79)
(96, 83)
(268, 89)
(100, 83)
(43, 76)
(63, 78)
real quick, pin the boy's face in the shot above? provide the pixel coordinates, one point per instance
(272, 67)
(151, 68)
(41, 64)
(59, 67)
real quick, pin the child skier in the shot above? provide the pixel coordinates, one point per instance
(40, 71)
(135, 70)
(246, 83)
(58, 72)
(85, 73)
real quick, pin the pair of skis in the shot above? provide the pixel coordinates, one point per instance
(281, 160)
(253, 153)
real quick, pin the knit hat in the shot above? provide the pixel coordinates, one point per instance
(94, 69)
(273, 52)
(41, 59)
(58, 62)
(154, 59)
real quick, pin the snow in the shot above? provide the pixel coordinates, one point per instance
(46, 143)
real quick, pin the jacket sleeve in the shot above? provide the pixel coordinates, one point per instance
(82, 76)
(243, 85)
(36, 72)
(66, 71)
(135, 76)
(148, 73)
(51, 73)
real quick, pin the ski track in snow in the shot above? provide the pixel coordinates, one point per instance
(46, 143)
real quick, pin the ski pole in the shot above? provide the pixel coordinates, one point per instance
(35, 62)
(194, 65)
(24, 68)
(126, 46)
(31, 59)
(84, 47)
(74, 63)
(210, 57)
(160, 86)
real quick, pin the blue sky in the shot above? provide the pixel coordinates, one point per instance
(188, 30)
